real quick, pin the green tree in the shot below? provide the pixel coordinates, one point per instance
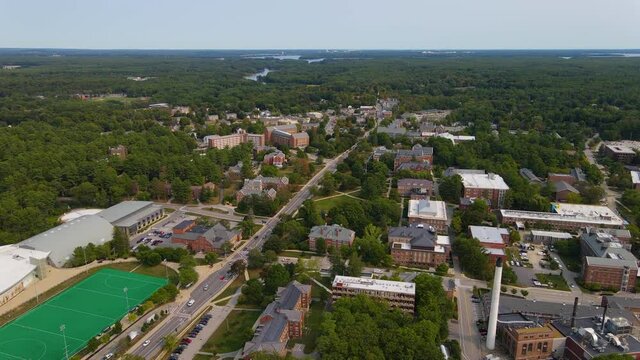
(450, 188)
(187, 276)
(120, 243)
(253, 291)
(442, 269)
(237, 267)
(211, 258)
(321, 246)
(354, 268)
(275, 276)
(169, 342)
(255, 259)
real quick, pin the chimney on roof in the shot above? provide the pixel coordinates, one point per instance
(575, 310)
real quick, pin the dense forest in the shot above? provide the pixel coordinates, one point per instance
(54, 152)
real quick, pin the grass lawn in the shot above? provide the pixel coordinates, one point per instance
(328, 204)
(296, 254)
(555, 282)
(312, 327)
(573, 263)
(232, 333)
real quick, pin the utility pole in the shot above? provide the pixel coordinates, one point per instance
(126, 296)
(64, 338)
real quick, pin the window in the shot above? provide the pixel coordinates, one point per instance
(539, 346)
(530, 347)
(545, 347)
(524, 349)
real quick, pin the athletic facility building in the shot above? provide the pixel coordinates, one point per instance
(19, 267)
(132, 216)
(76, 315)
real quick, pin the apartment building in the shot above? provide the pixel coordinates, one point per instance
(418, 246)
(334, 236)
(399, 294)
(607, 263)
(484, 186)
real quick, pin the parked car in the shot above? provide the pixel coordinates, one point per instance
(191, 302)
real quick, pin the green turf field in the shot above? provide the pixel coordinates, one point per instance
(85, 310)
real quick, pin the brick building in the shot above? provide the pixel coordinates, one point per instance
(281, 320)
(484, 186)
(428, 213)
(571, 217)
(334, 236)
(607, 263)
(418, 154)
(525, 339)
(406, 187)
(276, 159)
(413, 246)
(198, 238)
(261, 185)
(492, 239)
(286, 135)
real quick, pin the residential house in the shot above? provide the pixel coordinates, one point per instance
(261, 185)
(276, 159)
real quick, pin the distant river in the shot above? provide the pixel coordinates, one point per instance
(258, 75)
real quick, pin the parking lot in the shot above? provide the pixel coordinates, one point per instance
(531, 265)
(159, 234)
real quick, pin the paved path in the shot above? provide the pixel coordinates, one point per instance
(219, 314)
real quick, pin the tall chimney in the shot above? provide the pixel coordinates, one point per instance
(605, 305)
(495, 303)
(573, 314)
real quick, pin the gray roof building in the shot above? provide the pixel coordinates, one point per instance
(529, 175)
(61, 240)
(335, 233)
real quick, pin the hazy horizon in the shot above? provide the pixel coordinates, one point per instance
(330, 24)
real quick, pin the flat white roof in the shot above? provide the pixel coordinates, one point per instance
(15, 265)
(428, 209)
(553, 234)
(497, 252)
(443, 240)
(635, 177)
(483, 181)
(374, 285)
(569, 213)
(620, 149)
(488, 234)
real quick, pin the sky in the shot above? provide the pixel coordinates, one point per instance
(320, 24)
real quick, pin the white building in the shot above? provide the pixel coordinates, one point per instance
(428, 213)
(19, 268)
(565, 216)
(399, 294)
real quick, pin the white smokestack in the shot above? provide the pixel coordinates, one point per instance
(495, 303)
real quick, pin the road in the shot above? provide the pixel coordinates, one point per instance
(180, 317)
(611, 195)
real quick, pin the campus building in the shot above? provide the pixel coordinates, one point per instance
(199, 238)
(526, 339)
(413, 246)
(618, 152)
(286, 135)
(570, 217)
(132, 217)
(399, 294)
(407, 187)
(417, 154)
(233, 140)
(607, 263)
(261, 185)
(276, 158)
(428, 213)
(19, 268)
(484, 186)
(333, 235)
(281, 320)
(492, 239)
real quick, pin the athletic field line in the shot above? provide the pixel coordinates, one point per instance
(78, 311)
(133, 279)
(48, 332)
(107, 294)
(12, 356)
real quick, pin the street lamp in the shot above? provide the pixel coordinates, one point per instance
(64, 338)
(126, 297)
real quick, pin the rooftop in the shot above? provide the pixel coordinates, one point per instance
(620, 149)
(415, 182)
(635, 177)
(487, 234)
(122, 210)
(427, 209)
(484, 181)
(61, 240)
(599, 215)
(374, 285)
(15, 264)
(332, 232)
(553, 234)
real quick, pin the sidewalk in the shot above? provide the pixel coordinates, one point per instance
(219, 314)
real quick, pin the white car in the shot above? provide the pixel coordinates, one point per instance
(206, 287)
(146, 343)
(108, 356)
(191, 302)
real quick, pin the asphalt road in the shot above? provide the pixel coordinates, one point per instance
(178, 320)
